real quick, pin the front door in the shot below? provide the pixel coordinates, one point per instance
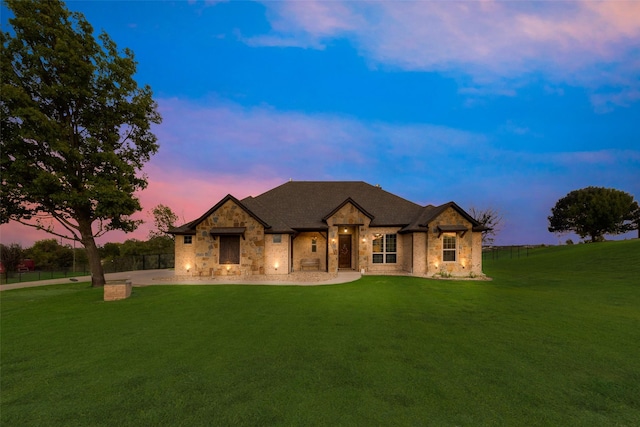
(344, 251)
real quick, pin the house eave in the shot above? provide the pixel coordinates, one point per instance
(453, 228)
(227, 231)
(182, 233)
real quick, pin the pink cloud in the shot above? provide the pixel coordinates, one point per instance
(229, 139)
(188, 194)
(571, 42)
(320, 18)
(621, 18)
(308, 23)
(191, 193)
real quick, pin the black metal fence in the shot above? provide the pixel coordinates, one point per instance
(116, 265)
(139, 262)
(504, 252)
(9, 277)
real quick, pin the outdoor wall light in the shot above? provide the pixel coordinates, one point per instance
(188, 267)
(345, 229)
(364, 240)
(228, 267)
(276, 266)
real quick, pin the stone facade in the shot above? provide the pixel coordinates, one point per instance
(468, 248)
(206, 246)
(117, 291)
(402, 258)
(349, 221)
(418, 253)
(277, 250)
(303, 248)
(185, 255)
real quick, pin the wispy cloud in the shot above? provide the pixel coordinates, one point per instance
(272, 143)
(248, 150)
(586, 43)
(307, 24)
(208, 151)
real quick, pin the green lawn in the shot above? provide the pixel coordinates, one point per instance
(553, 340)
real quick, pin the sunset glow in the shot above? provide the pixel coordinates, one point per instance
(508, 105)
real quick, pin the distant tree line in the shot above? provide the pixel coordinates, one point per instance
(48, 255)
(51, 255)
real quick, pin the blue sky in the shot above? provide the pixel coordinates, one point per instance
(503, 105)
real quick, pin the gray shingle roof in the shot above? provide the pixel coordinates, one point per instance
(303, 205)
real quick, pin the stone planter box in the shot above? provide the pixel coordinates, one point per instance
(117, 290)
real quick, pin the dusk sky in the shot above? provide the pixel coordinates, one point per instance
(503, 105)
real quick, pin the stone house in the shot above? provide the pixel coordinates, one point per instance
(328, 226)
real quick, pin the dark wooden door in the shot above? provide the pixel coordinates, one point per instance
(344, 251)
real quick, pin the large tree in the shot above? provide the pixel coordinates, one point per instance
(75, 126)
(594, 212)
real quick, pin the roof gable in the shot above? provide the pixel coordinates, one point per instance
(430, 213)
(190, 227)
(349, 200)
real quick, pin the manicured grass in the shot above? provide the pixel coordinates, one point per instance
(552, 340)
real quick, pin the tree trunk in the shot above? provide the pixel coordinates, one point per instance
(89, 243)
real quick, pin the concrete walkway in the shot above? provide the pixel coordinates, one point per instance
(164, 277)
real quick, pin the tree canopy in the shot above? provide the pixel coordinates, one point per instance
(164, 219)
(11, 256)
(75, 125)
(50, 255)
(491, 219)
(594, 212)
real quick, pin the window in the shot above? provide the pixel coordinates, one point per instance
(187, 240)
(384, 249)
(229, 249)
(277, 238)
(314, 245)
(449, 248)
